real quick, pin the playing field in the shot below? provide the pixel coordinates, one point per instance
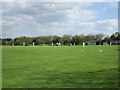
(60, 67)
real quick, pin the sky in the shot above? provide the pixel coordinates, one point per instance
(34, 19)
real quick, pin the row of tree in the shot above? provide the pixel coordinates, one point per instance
(65, 39)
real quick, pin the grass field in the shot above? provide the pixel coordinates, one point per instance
(60, 67)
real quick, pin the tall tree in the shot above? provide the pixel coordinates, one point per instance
(76, 39)
(56, 39)
(113, 37)
(66, 39)
(38, 41)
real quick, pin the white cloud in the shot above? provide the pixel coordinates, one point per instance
(108, 22)
(34, 19)
(47, 12)
(110, 5)
(105, 26)
(114, 4)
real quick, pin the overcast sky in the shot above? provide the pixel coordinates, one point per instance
(44, 18)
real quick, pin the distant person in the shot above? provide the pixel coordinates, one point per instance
(52, 43)
(110, 43)
(74, 44)
(23, 44)
(59, 44)
(83, 44)
(33, 44)
(13, 44)
(70, 44)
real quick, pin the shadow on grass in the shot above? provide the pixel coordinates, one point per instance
(98, 79)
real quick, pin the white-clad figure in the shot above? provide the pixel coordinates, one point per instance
(83, 44)
(110, 43)
(23, 44)
(33, 44)
(74, 44)
(70, 44)
(52, 43)
(59, 44)
(13, 44)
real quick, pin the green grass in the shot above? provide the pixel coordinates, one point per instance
(60, 67)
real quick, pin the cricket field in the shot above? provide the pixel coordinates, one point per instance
(60, 67)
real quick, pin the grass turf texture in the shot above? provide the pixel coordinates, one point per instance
(60, 67)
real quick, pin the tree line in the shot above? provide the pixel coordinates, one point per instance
(64, 40)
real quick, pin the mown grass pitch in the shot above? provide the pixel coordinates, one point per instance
(60, 67)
